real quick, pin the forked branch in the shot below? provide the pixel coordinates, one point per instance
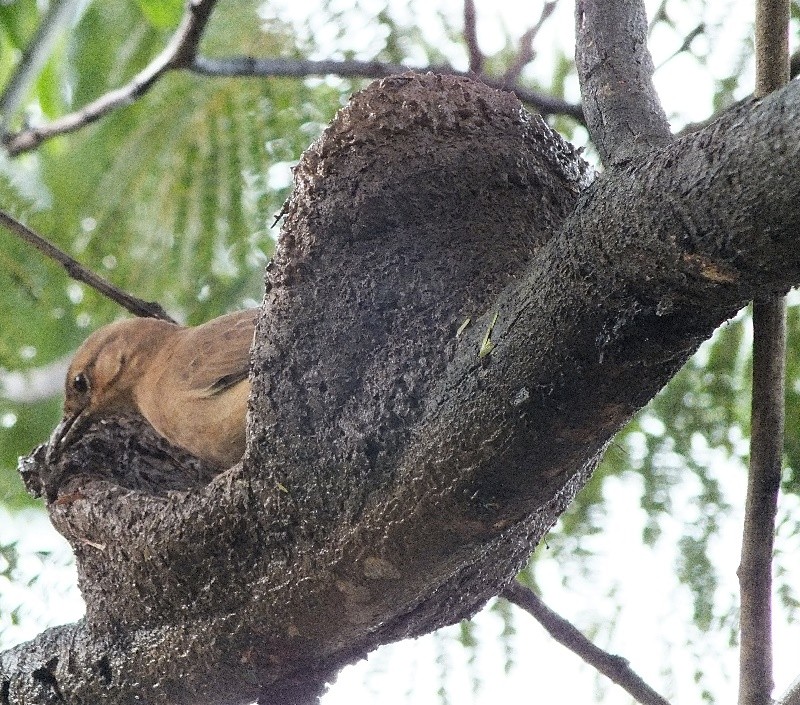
(181, 54)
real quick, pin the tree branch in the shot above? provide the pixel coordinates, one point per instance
(685, 45)
(471, 38)
(526, 51)
(299, 68)
(78, 272)
(616, 668)
(792, 695)
(794, 64)
(772, 45)
(766, 444)
(58, 14)
(395, 479)
(623, 112)
(755, 568)
(179, 53)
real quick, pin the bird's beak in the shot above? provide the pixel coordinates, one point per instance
(64, 434)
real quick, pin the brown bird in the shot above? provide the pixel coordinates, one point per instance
(191, 384)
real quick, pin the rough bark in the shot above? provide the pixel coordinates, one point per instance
(395, 478)
(623, 111)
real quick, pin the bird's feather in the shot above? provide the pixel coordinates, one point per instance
(218, 352)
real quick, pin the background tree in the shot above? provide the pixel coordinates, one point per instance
(184, 173)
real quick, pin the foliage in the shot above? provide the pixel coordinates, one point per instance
(173, 199)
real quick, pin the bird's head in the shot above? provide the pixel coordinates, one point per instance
(102, 376)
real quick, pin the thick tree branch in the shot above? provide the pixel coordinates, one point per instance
(623, 112)
(616, 668)
(395, 479)
(78, 272)
(766, 451)
(179, 53)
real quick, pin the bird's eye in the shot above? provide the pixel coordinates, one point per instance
(80, 384)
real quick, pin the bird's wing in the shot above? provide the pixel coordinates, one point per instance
(217, 353)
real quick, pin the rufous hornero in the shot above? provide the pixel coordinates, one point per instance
(190, 383)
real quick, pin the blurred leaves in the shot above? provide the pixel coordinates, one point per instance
(18, 22)
(173, 197)
(162, 14)
(37, 577)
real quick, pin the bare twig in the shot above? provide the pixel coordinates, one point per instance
(772, 45)
(471, 37)
(526, 51)
(179, 53)
(58, 14)
(766, 443)
(614, 667)
(80, 273)
(252, 67)
(685, 44)
(660, 15)
(615, 68)
(298, 68)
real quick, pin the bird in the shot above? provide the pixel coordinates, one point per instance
(189, 383)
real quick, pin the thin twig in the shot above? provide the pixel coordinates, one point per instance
(244, 66)
(58, 14)
(471, 37)
(614, 667)
(767, 416)
(772, 45)
(660, 15)
(80, 273)
(526, 52)
(685, 44)
(179, 53)
(755, 568)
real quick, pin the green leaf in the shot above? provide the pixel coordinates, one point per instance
(162, 14)
(110, 43)
(49, 87)
(22, 427)
(18, 21)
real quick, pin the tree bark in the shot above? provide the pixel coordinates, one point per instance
(401, 466)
